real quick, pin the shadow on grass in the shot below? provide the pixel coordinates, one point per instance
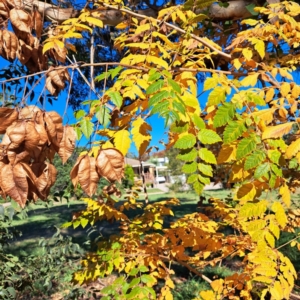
(41, 223)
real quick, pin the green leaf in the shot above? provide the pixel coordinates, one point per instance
(250, 8)
(179, 127)
(262, 170)
(208, 136)
(102, 76)
(274, 156)
(78, 133)
(204, 180)
(79, 114)
(233, 131)
(189, 167)
(224, 114)
(87, 127)
(207, 156)
(107, 290)
(276, 170)
(198, 187)
(11, 291)
(143, 269)
(188, 156)
(133, 272)
(272, 181)
(185, 142)
(145, 278)
(179, 106)
(114, 72)
(103, 116)
(116, 98)
(198, 121)
(175, 86)
(192, 178)
(134, 282)
(216, 96)
(161, 107)
(158, 97)
(154, 87)
(254, 159)
(205, 169)
(245, 147)
(154, 76)
(136, 291)
(251, 97)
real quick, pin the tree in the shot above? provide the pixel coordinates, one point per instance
(253, 103)
(128, 180)
(175, 165)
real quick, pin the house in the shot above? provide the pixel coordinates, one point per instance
(151, 170)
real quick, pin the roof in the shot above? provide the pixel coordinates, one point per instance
(136, 163)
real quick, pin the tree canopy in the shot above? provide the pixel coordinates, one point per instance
(139, 59)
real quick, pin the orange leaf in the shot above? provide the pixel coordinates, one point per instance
(110, 164)
(277, 131)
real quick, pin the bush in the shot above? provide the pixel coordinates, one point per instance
(128, 180)
(41, 275)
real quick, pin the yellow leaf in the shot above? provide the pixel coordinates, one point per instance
(157, 61)
(207, 295)
(142, 28)
(237, 64)
(279, 214)
(276, 291)
(170, 283)
(285, 89)
(48, 46)
(227, 154)
(247, 53)
(246, 192)
(285, 195)
(250, 80)
(141, 136)
(94, 21)
(270, 94)
(72, 35)
(293, 149)
(122, 141)
(296, 91)
(260, 48)
(107, 145)
(122, 25)
(265, 114)
(270, 239)
(277, 131)
(218, 285)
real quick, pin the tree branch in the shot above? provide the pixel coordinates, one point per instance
(193, 36)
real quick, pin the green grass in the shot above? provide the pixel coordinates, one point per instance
(41, 220)
(154, 190)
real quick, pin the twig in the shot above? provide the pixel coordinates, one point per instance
(69, 93)
(87, 82)
(144, 182)
(77, 66)
(285, 244)
(193, 36)
(92, 62)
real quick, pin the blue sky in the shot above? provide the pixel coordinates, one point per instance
(157, 123)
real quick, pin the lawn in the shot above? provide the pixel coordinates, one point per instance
(41, 219)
